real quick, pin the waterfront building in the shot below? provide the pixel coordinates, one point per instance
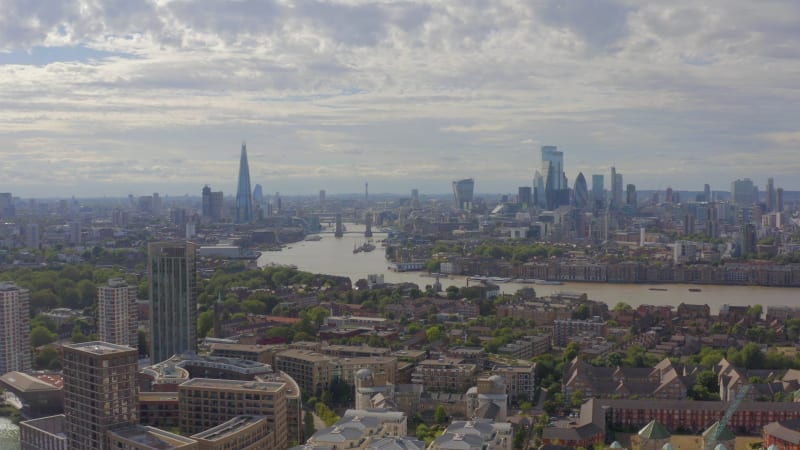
(563, 330)
(462, 192)
(244, 198)
(15, 328)
(99, 392)
(117, 313)
(581, 192)
(172, 267)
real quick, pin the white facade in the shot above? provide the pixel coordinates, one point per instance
(117, 313)
(15, 328)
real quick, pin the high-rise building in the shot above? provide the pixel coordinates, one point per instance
(770, 195)
(15, 328)
(462, 192)
(322, 196)
(581, 191)
(706, 193)
(172, 267)
(244, 198)
(524, 195)
(117, 313)
(668, 196)
(743, 192)
(598, 193)
(6, 205)
(99, 392)
(32, 235)
(75, 232)
(538, 190)
(556, 189)
(630, 195)
(212, 203)
(779, 200)
(616, 188)
(415, 198)
(258, 195)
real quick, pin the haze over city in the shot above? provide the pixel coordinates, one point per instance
(155, 96)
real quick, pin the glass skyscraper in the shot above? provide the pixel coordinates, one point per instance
(173, 299)
(244, 196)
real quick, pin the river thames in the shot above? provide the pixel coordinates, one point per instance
(335, 256)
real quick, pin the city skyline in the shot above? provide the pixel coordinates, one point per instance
(154, 96)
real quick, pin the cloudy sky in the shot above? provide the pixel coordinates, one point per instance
(110, 97)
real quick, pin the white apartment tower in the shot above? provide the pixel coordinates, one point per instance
(117, 313)
(15, 328)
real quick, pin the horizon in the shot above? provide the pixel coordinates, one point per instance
(156, 96)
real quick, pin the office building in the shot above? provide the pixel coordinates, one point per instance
(779, 200)
(233, 398)
(15, 328)
(581, 191)
(770, 200)
(75, 233)
(415, 198)
(99, 392)
(6, 205)
(258, 195)
(462, 193)
(322, 196)
(244, 198)
(706, 193)
(117, 313)
(538, 190)
(172, 267)
(556, 189)
(743, 192)
(598, 192)
(32, 235)
(616, 188)
(630, 196)
(212, 204)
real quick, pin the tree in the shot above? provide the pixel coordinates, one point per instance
(622, 307)
(582, 312)
(42, 336)
(440, 416)
(434, 333)
(48, 358)
(205, 322)
(308, 424)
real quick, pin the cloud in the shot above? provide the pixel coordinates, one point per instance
(328, 91)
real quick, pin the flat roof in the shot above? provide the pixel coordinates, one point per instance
(152, 437)
(213, 383)
(100, 348)
(23, 382)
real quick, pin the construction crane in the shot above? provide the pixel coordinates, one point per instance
(723, 423)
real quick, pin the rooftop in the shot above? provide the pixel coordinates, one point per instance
(225, 429)
(100, 348)
(211, 383)
(152, 437)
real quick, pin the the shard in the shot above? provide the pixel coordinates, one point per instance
(244, 197)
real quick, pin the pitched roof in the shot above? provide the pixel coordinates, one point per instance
(654, 431)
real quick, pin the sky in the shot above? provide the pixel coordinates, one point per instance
(113, 97)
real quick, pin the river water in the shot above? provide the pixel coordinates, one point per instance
(335, 256)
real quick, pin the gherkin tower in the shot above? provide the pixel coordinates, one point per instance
(244, 196)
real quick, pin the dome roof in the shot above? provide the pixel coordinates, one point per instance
(615, 444)
(497, 380)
